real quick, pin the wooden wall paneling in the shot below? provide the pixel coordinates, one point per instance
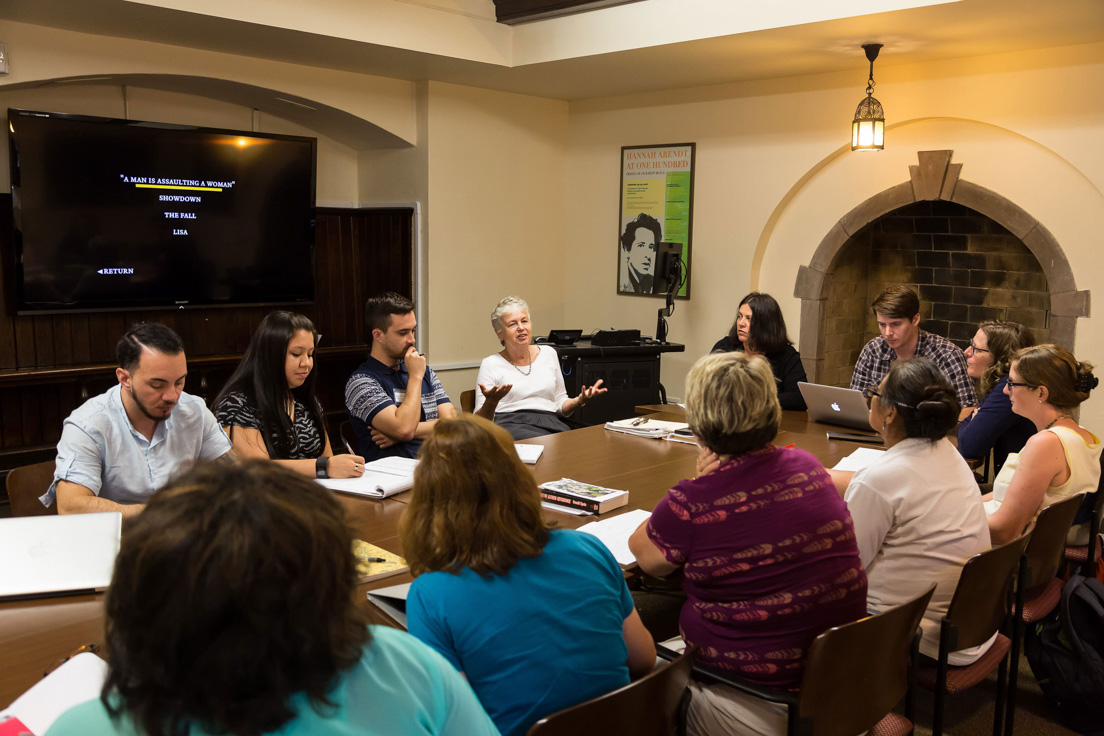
(11, 417)
(44, 341)
(101, 349)
(25, 356)
(50, 413)
(79, 339)
(30, 409)
(63, 340)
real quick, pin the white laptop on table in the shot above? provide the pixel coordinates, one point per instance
(52, 555)
(834, 405)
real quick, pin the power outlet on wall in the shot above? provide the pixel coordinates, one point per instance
(3, 59)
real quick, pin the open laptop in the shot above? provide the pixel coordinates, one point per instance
(835, 405)
(52, 555)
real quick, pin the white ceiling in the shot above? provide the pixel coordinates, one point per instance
(954, 30)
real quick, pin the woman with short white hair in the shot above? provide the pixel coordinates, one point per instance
(521, 385)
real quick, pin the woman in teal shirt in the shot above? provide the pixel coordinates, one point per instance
(232, 611)
(537, 619)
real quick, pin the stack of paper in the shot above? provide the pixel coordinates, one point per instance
(529, 454)
(382, 478)
(645, 427)
(78, 680)
(615, 533)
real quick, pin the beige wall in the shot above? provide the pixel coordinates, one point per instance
(774, 173)
(496, 218)
(519, 194)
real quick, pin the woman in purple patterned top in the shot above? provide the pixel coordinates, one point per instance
(764, 541)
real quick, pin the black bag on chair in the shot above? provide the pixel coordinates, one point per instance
(1066, 654)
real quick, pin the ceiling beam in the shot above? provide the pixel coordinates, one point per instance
(512, 12)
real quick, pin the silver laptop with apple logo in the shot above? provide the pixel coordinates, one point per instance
(57, 555)
(834, 405)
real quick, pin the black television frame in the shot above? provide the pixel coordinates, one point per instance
(16, 260)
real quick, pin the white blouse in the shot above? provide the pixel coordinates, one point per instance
(542, 390)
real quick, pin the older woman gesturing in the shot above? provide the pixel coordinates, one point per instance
(521, 386)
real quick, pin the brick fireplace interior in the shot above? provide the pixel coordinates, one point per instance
(965, 266)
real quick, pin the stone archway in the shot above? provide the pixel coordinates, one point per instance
(935, 178)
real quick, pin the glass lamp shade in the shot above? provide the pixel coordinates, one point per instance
(868, 128)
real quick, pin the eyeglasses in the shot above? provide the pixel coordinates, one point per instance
(870, 392)
(976, 349)
(1013, 384)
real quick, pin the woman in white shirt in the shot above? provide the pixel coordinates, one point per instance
(917, 511)
(1045, 384)
(522, 384)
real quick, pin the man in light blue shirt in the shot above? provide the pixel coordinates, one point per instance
(119, 447)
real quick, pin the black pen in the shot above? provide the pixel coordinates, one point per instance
(373, 559)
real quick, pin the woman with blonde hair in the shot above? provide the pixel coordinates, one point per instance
(764, 541)
(1045, 385)
(537, 619)
(992, 425)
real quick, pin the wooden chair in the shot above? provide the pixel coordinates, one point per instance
(654, 705)
(980, 606)
(1038, 588)
(348, 439)
(467, 401)
(1090, 511)
(855, 675)
(25, 484)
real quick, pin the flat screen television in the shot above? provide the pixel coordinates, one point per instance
(123, 214)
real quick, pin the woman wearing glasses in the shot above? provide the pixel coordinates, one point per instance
(1045, 384)
(917, 511)
(992, 425)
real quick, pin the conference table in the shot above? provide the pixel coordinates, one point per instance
(36, 635)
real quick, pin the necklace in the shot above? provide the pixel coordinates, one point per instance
(1055, 420)
(529, 353)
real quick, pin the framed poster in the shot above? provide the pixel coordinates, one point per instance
(657, 204)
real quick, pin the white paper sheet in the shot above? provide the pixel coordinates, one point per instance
(75, 682)
(859, 459)
(615, 532)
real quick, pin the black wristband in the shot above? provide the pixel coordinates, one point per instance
(320, 467)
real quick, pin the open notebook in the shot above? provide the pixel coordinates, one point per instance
(382, 478)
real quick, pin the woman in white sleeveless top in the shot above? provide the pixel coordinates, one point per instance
(1045, 384)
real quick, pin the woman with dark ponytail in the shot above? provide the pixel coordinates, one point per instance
(917, 511)
(992, 425)
(1045, 384)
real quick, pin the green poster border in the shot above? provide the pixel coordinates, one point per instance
(688, 250)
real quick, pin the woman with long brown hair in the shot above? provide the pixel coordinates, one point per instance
(537, 619)
(992, 425)
(233, 611)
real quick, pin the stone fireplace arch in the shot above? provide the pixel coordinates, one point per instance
(935, 178)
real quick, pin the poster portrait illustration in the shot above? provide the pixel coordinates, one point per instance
(657, 195)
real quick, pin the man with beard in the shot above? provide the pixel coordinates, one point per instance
(393, 398)
(119, 447)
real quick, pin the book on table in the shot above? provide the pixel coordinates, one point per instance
(578, 495)
(382, 478)
(647, 427)
(375, 562)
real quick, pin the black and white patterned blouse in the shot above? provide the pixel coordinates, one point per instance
(236, 410)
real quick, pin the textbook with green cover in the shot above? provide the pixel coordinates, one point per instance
(375, 562)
